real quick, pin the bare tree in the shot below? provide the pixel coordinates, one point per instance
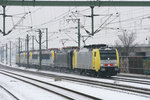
(127, 41)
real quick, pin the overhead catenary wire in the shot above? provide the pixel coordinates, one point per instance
(112, 22)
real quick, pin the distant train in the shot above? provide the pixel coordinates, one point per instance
(89, 61)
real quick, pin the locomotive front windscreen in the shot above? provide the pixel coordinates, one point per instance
(108, 54)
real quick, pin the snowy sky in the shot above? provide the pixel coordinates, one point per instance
(114, 20)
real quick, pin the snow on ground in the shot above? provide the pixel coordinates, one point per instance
(103, 93)
(24, 91)
(139, 79)
(101, 79)
(5, 96)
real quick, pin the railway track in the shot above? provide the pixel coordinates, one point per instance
(135, 76)
(13, 95)
(61, 91)
(133, 89)
(135, 80)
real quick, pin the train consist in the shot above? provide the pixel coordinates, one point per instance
(90, 61)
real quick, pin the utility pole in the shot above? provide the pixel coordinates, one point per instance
(79, 33)
(19, 50)
(10, 53)
(32, 42)
(6, 53)
(27, 50)
(92, 19)
(21, 46)
(4, 16)
(46, 38)
(40, 52)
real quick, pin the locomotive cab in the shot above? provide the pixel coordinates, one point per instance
(109, 62)
(105, 61)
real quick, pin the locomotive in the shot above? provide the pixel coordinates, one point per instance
(90, 60)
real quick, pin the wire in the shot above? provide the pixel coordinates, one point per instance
(131, 19)
(58, 18)
(71, 38)
(30, 17)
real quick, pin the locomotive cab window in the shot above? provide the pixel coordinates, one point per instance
(105, 54)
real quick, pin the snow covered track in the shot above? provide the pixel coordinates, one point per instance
(65, 92)
(143, 91)
(134, 76)
(9, 92)
(132, 80)
(129, 88)
(139, 90)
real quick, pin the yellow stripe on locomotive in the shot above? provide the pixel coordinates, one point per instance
(117, 54)
(30, 55)
(96, 62)
(74, 59)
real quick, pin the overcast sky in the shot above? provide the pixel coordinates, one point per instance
(113, 20)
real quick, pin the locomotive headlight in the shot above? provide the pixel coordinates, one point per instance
(102, 64)
(102, 69)
(115, 64)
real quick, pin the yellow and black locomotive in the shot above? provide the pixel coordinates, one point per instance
(89, 61)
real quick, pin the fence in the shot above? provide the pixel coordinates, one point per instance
(137, 65)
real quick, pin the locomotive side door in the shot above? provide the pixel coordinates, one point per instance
(96, 59)
(74, 59)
